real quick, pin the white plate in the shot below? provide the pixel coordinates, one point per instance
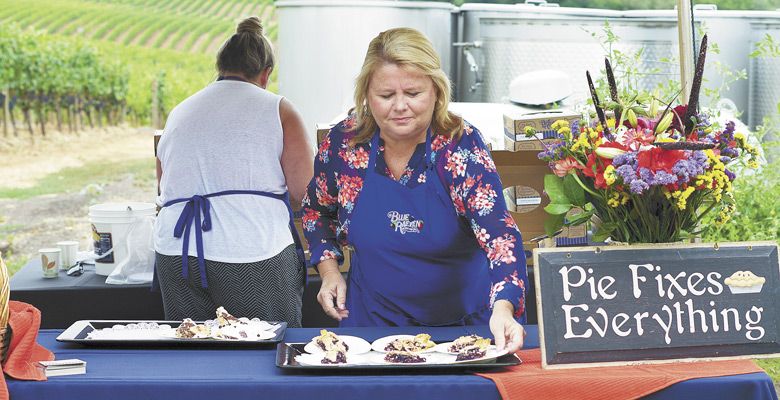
(357, 345)
(380, 344)
(444, 348)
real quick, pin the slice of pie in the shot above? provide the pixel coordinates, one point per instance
(185, 329)
(463, 341)
(334, 356)
(224, 318)
(328, 340)
(403, 357)
(416, 344)
(474, 351)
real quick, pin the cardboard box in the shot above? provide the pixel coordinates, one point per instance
(522, 176)
(515, 123)
(527, 145)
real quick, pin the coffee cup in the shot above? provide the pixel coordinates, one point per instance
(68, 251)
(50, 261)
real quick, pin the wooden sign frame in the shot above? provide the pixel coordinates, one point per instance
(565, 276)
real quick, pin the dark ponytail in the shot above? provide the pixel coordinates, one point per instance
(247, 52)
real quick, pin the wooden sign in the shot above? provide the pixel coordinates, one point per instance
(617, 305)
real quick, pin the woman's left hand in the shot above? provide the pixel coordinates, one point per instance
(508, 333)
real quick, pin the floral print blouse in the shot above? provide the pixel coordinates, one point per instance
(467, 171)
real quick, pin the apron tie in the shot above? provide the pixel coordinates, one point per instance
(191, 213)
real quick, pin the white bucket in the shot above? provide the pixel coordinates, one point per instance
(111, 222)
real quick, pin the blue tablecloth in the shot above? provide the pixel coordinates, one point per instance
(190, 373)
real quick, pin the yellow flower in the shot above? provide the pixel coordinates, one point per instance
(614, 200)
(582, 142)
(725, 214)
(624, 198)
(740, 138)
(609, 173)
(681, 197)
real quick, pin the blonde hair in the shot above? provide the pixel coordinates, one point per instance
(248, 51)
(404, 47)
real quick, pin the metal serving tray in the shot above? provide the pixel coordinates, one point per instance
(286, 352)
(77, 333)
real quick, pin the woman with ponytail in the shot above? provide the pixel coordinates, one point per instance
(231, 158)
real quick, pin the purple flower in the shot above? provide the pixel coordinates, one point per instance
(688, 169)
(729, 152)
(731, 175)
(663, 178)
(646, 175)
(555, 151)
(626, 173)
(638, 186)
(625, 159)
(728, 133)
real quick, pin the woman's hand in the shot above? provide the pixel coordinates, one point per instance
(507, 332)
(333, 292)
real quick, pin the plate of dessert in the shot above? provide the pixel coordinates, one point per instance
(292, 356)
(473, 351)
(225, 328)
(328, 341)
(420, 343)
(459, 344)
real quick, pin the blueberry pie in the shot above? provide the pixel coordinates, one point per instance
(414, 345)
(474, 351)
(463, 341)
(403, 357)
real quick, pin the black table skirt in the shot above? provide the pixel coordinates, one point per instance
(66, 299)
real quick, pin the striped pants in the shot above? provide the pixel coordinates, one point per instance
(271, 289)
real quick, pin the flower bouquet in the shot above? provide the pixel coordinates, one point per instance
(644, 171)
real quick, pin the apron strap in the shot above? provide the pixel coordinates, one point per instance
(375, 150)
(191, 214)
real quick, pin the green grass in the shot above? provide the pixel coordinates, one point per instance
(76, 178)
(772, 368)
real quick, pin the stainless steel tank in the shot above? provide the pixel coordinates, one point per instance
(507, 40)
(764, 74)
(322, 43)
(495, 43)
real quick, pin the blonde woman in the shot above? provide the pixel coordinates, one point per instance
(230, 158)
(412, 188)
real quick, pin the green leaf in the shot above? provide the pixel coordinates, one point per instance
(573, 191)
(552, 224)
(557, 208)
(553, 185)
(580, 218)
(604, 231)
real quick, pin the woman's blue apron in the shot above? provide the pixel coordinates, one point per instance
(191, 216)
(416, 262)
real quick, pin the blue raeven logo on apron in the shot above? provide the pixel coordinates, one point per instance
(404, 223)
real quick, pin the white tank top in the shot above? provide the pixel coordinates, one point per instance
(227, 136)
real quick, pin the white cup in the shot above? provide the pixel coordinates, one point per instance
(50, 261)
(69, 249)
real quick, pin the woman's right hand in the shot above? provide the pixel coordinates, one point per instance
(333, 292)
